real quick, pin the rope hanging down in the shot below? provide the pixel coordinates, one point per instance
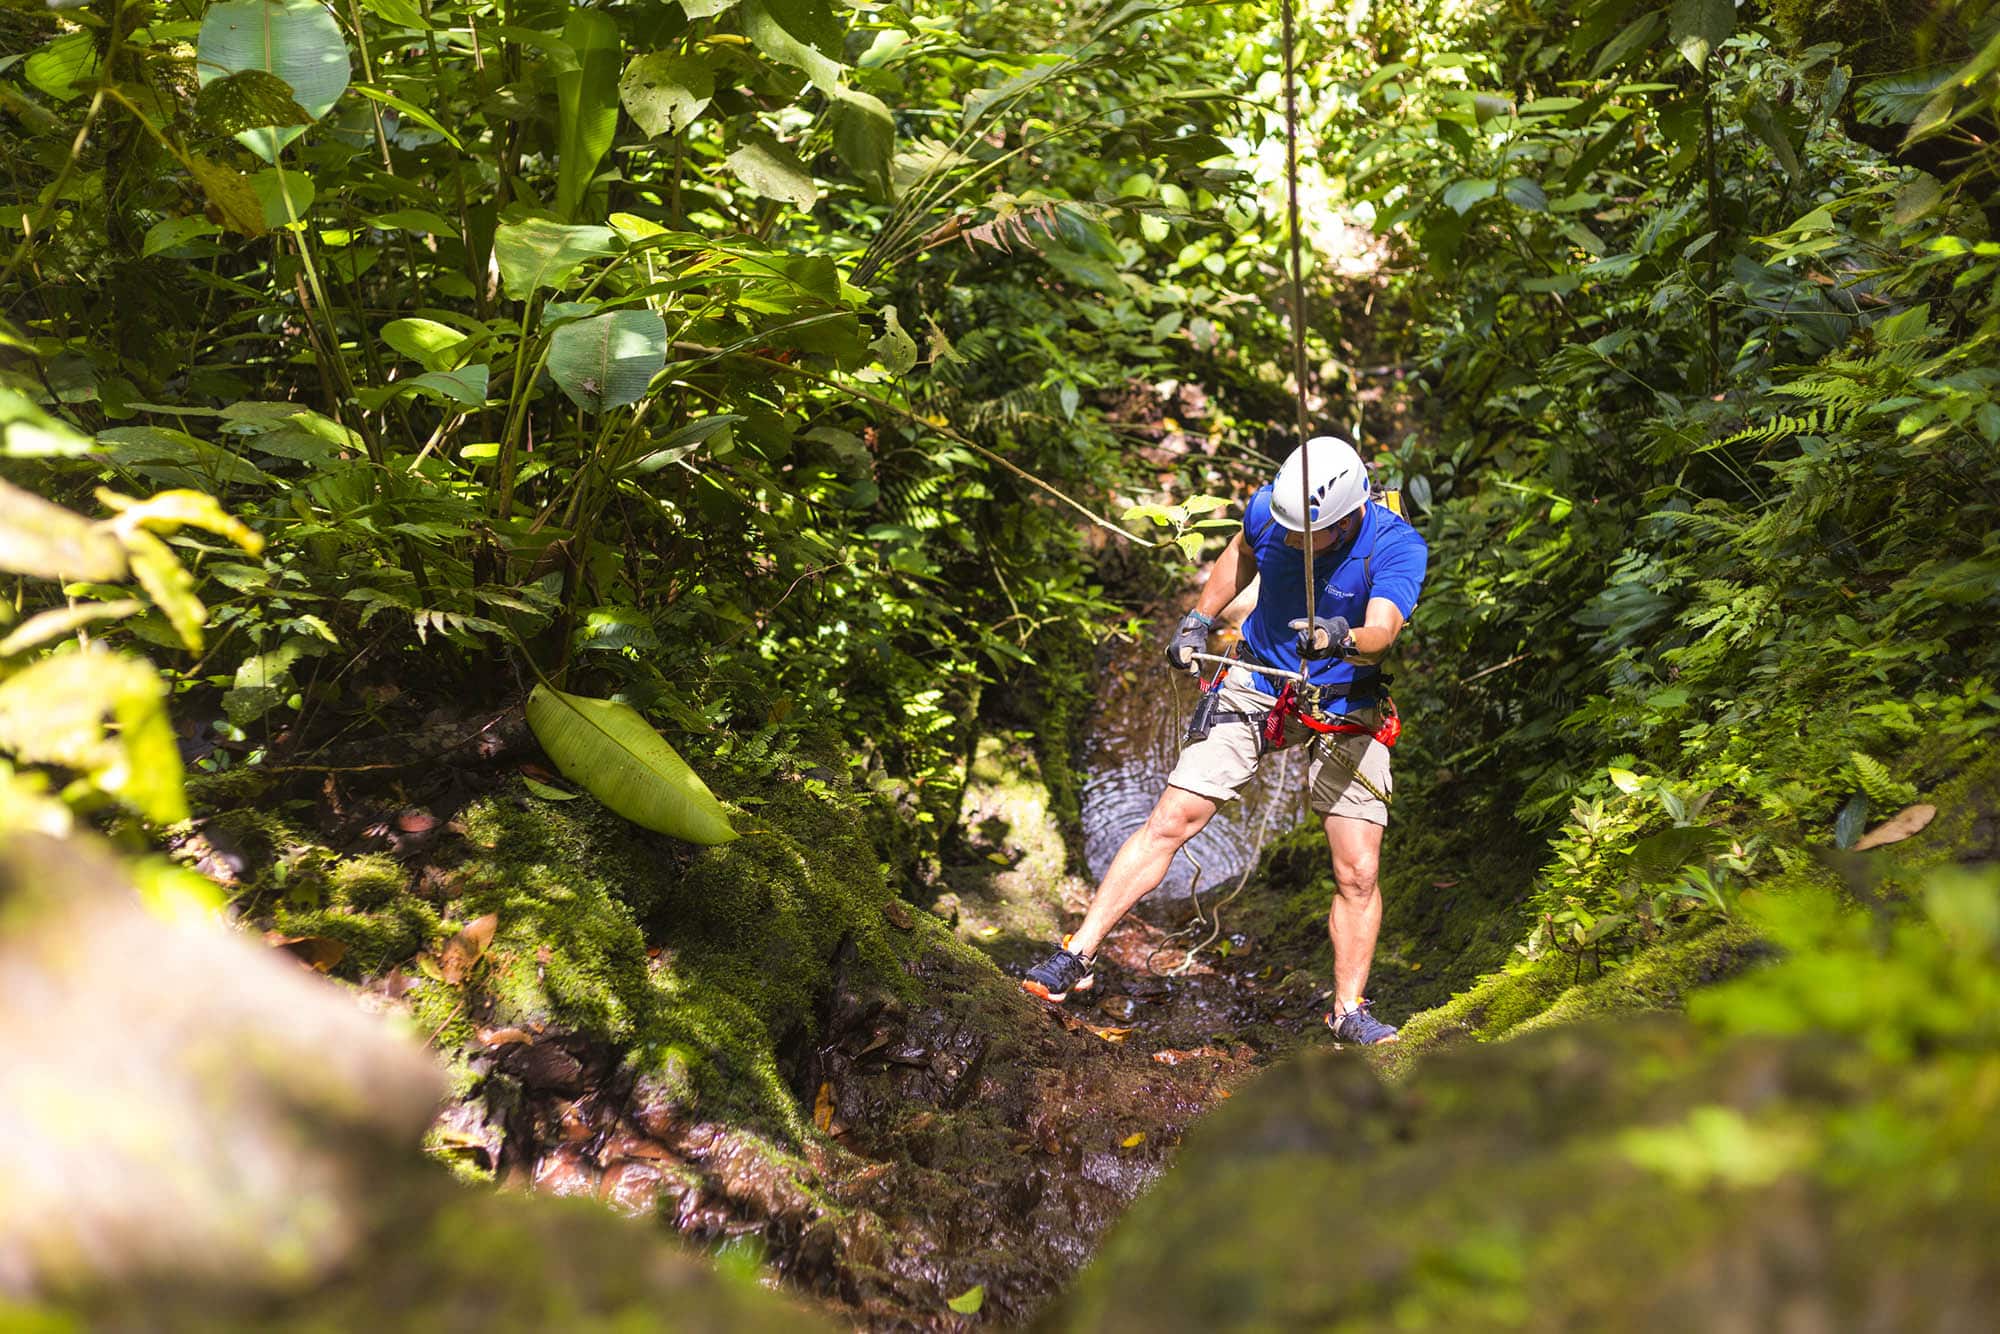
(1298, 318)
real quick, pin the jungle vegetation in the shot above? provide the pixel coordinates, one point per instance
(812, 379)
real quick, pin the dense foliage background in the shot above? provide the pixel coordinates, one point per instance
(787, 370)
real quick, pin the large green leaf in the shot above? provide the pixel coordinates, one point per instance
(895, 347)
(773, 170)
(664, 92)
(434, 346)
(608, 360)
(612, 753)
(864, 134)
(586, 105)
(64, 66)
(296, 40)
(801, 33)
(1462, 195)
(247, 100)
(1698, 27)
(541, 252)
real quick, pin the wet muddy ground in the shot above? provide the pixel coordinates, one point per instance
(962, 1134)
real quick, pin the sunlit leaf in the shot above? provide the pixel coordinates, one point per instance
(169, 584)
(801, 33)
(608, 360)
(969, 1301)
(64, 66)
(895, 347)
(615, 755)
(43, 539)
(27, 432)
(59, 710)
(541, 252)
(546, 792)
(664, 92)
(247, 100)
(59, 621)
(427, 342)
(295, 40)
(773, 170)
(1698, 27)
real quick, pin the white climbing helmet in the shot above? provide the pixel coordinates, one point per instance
(1338, 482)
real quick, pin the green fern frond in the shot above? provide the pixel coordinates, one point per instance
(1875, 780)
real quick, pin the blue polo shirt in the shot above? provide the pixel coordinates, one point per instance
(1386, 559)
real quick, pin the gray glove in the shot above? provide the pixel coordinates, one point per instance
(1191, 637)
(1323, 638)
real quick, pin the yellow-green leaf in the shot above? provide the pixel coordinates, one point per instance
(168, 511)
(59, 621)
(54, 712)
(50, 542)
(169, 584)
(969, 1301)
(615, 755)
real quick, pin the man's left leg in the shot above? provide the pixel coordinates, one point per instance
(1350, 788)
(1355, 918)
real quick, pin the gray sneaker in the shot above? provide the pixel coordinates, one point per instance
(1360, 1027)
(1061, 973)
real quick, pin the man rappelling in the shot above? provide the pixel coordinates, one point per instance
(1314, 523)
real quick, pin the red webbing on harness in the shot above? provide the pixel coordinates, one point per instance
(1390, 731)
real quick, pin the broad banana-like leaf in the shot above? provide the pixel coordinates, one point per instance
(608, 360)
(296, 40)
(586, 105)
(615, 755)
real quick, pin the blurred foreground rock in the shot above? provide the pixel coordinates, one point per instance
(1635, 1177)
(196, 1132)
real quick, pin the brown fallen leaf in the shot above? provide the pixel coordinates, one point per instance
(823, 1109)
(1109, 1034)
(504, 1037)
(899, 916)
(464, 950)
(319, 953)
(1897, 827)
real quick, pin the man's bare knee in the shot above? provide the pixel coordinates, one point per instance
(1354, 874)
(1176, 819)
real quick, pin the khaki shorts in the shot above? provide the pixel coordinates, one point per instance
(1218, 766)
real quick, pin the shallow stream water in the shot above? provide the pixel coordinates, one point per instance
(1135, 737)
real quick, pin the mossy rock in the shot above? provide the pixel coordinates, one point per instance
(1636, 1176)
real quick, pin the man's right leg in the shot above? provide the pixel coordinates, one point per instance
(1142, 863)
